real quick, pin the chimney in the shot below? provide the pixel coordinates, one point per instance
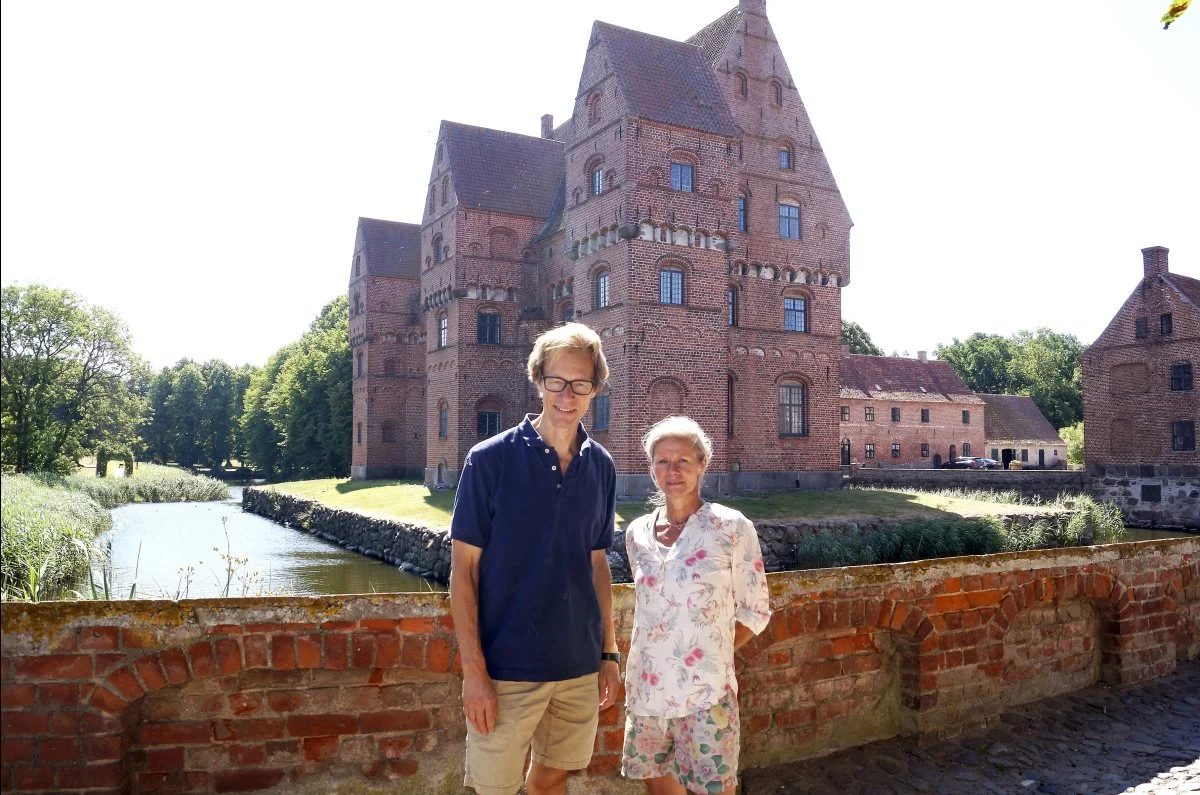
(1154, 260)
(547, 126)
(921, 356)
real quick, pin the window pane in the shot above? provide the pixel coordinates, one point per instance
(741, 213)
(600, 407)
(731, 299)
(670, 287)
(792, 410)
(795, 314)
(602, 291)
(681, 177)
(789, 221)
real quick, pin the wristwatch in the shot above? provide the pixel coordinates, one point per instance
(615, 656)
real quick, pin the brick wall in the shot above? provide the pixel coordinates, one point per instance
(306, 694)
(944, 430)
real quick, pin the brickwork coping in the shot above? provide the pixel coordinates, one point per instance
(305, 694)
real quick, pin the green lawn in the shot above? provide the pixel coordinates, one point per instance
(414, 502)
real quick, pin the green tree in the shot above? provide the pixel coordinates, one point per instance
(184, 408)
(858, 339)
(159, 430)
(241, 383)
(263, 442)
(216, 413)
(67, 379)
(1073, 436)
(982, 361)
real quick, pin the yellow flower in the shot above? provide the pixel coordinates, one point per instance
(720, 716)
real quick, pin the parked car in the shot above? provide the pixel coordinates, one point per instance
(988, 463)
(963, 462)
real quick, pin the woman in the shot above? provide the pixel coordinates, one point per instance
(701, 593)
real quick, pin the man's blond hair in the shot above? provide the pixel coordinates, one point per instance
(568, 337)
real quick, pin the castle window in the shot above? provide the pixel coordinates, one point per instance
(845, 413)
(488, 330)
(388, 431)
(681, 177)
(1140, 328)
(445, 190)
(777, 93)
(795, 314)
(1181, 377)
(785, 158)
(600, 413)
(925, 450)
(443, 420)
(895, 414)
(358, 359)
(924, 415)
(869, 451)
(432, 192)
(438, 251)
(793, 420)
(568, 312)
(597, 182)
(389, 367)
(357, 265)
(1183, 435)
(966, 448)
(966, 416)
(358, 433)
(358, 304)
(1165, 324)
(789, 221)
(602, 298)
(487, 422)
(443, 329)
(742, 221)
(731, 301)
(869, 413)
(670, 286)
(895, 449)
(594, 108)
(743, 88)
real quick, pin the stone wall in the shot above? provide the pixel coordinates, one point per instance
(414, 548)
(362, 692)
(1152, 496)
(1046, 484)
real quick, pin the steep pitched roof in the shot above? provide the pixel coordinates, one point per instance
(897, 378)
(501, 171)
(391, 248)
(1016, 418)
(667, 81)
(1188, 287)
(711, 39)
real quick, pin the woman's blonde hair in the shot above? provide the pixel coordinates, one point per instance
(676, 427)
(568, 337)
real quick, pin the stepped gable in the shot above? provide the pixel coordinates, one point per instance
(1017, 418)
(666, 81)
(711, 39)
(391, 248)
(1186, 286)
(900, 378)
(501, 171)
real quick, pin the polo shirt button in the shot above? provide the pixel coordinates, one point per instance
(558, 485)
(547, 451)
(554, 468)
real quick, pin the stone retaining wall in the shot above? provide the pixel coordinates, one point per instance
(361, 693)
(1044, 483)
(1152, 496)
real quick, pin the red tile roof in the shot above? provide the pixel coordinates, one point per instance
(899, 378)
(666, 81)
(501, 171)
(391, 248)
(1016, 418)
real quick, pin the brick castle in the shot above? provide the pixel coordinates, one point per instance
(685, 211)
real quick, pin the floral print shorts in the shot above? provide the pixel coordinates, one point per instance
(701, 749)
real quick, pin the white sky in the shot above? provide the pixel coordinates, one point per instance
(199, 168)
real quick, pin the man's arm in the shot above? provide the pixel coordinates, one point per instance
(610, 672)
(478, 696)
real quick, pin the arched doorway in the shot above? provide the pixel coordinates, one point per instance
(846, 452)
(952, 455)
(937, 460)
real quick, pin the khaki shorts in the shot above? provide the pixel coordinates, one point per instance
(557, 719)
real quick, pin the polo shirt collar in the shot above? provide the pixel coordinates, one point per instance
(528, 433)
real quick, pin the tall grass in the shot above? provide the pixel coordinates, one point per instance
(150, 483)
(1088, 521)
(38, 528)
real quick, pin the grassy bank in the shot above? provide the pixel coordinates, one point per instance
(44, 518)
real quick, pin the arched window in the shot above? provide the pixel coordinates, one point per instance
(601, 291)
(789, 220)
(785, 157)
(443, 420)
(388, 431)
(357, 265)
(445, 190)
(358, 360)
(777, 93)
(795, 312)
(743, 89)
(793, 408)
(443, 329)
(742, 217)
(732, 306)
(670, 286)
(438, 251)
(597, 181)
(358, 304)
(594, 108)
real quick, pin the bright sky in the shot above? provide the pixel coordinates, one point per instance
(199, 168)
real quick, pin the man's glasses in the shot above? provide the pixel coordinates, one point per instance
(580, 386)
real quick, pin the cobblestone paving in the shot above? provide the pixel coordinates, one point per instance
(1144, 739)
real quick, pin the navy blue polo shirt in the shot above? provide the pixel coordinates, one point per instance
(539, 619)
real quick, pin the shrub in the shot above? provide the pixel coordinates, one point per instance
(150, 483)
(898, 542)
(38, 526)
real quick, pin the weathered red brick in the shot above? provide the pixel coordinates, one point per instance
(151, 673)
(241, 703)
(321, 749)
(162, 759)
(97, 638)
(14, 750)
(412, 652)
(438, 652)
(53, 666)
(248, 729)
(247, 755)
(175, 733)
(201, 657)
(16, 696)
(316, 725)
(139, 637)
(255, 647)
(283, 652)
(396, 720)
(308, 651)
(247, 780)
(229, 655)
(336, 655)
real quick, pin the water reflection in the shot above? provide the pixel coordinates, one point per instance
(153, 545)
(1142, 534)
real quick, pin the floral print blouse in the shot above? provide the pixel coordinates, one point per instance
(688, 597)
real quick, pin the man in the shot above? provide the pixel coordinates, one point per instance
(530, 588)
